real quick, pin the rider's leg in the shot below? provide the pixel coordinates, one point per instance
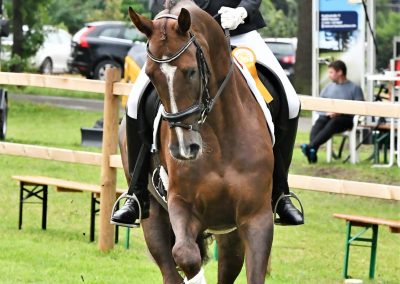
(283, 152)
(283, 149)
(139, 132)
(130, 211)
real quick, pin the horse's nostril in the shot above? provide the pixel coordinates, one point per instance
(194, 148)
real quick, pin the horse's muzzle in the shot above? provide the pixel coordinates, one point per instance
(187, 145)
(190, 152)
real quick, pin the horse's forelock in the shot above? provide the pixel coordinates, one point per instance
(169, 4)
(176, 5)
(173, 6)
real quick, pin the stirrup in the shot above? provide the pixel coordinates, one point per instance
(114, 209)
(277, 221)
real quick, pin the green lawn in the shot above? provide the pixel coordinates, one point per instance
(312, 253)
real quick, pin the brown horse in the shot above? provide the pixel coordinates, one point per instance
(214, 144)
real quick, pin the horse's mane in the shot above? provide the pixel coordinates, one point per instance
(169, 4)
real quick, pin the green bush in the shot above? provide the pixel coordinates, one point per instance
(25, 64)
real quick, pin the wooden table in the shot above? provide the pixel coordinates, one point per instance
(367, 223)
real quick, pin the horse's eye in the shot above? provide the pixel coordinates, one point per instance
(190, 73)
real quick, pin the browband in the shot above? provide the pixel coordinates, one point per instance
(169, 16)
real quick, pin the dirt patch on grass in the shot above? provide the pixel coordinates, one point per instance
(352, 173)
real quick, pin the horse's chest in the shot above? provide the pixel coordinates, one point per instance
(216, 189)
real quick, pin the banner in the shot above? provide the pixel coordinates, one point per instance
(341, 36)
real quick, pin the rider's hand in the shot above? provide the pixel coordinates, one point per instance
(231, 18)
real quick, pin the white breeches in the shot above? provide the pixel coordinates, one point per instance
(136, 93)
(264, 56)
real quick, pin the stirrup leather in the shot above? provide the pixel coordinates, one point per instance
(291, 194)
(114, 209)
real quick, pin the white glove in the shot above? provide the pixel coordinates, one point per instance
(231, 18)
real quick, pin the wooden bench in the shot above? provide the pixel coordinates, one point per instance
(37, 186)
(366, 223)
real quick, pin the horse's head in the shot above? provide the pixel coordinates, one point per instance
(177, 66)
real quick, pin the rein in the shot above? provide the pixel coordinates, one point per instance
(205, 102)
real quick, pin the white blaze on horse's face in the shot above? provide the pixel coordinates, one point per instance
(169, 72)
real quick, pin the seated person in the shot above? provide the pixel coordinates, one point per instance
(331, 123)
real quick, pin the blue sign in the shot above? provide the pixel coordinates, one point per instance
(338, 21)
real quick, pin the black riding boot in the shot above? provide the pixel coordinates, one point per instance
(130, 211)
(283, 152)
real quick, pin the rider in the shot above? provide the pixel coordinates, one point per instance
(243, 18)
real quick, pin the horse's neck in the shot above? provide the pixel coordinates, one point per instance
(233, 105)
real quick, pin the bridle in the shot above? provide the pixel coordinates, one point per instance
(205, 102)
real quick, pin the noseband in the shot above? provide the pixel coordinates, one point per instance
(205, 102)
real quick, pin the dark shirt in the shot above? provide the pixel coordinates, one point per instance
(253, 21)
(155, 7)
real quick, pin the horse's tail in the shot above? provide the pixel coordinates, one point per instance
(203, 240)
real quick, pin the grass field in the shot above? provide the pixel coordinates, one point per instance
(312, 253)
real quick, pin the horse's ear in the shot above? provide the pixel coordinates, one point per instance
(184, 21)
(142, 23)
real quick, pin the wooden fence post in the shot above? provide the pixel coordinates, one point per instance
(110, 147)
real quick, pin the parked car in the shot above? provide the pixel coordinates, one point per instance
(52, 56)
(6, 46)
(134, 62)
(53, 53)
(284, 50)
(100, 45)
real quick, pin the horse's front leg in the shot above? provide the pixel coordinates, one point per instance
(186, 228)
(257, 234)
(230, 257)
(158, 236)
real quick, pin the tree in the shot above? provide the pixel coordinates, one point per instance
(281, 5)
(31, 13)
(110, 11)
(280, 23)
(140, 6)
(72, 14)
(387, 27)
(303, 66)
(17, 24)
